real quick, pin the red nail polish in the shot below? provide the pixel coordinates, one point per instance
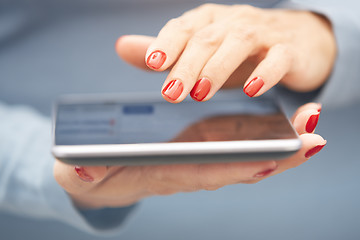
(80, 171)
(314, 150)
(173, 89)
(264, 173)
(253, 86)
(201, 89)
(156, 59)
(311, 123)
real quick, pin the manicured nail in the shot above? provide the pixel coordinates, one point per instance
(265, 173)
(311, 123)
(173, 89)
(201, 89)
(314, 150)
(80, 171)
(253, 86)
(156, 59)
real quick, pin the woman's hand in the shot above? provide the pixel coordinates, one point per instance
(117, 186)
(215, 45)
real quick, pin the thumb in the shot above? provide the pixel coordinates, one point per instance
(132, 49)
(78, 179)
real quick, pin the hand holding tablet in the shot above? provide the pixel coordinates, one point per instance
(116, 186)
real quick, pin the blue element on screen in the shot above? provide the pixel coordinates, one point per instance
(138, 109)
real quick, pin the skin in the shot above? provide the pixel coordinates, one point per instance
(118, 186)
(230, 45)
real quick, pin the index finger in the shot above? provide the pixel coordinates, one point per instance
(173, 37)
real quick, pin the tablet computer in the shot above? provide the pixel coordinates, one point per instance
(142, 129)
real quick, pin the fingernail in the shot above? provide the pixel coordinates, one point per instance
(311, 123)
(80, 171)
(265, 173)
(156, 59)
(173, 89)
(314, 150)
(253, 86)
(201, 89)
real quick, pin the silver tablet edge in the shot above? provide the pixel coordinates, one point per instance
(159, 149)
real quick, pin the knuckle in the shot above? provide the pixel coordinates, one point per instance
(179, 24)
(241, 10)
(280, 47)
(215, 70)
(248, 33)
(207, 7)
(221, 67)
(276, 69)
(283, 49)
(244, 33)
(157, 182)
(206, 37)
(184, 71)
(288, 54)
(284, 55)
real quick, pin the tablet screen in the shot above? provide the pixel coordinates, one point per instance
(116, 122)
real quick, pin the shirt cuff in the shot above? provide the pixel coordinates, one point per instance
(343, 81)
(28, 186)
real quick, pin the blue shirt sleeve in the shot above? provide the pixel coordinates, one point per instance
(343, 84)
(27, 185)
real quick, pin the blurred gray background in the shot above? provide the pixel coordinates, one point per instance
(48, 48)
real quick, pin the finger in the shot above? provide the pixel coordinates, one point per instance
(187, 178)
(78, 179)
(270, 71)
(132, 49)
(173, 37)
(307, 106)
(185, 73)
(311, 144)
(306, 121)
(234, 50)
(122, 186)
